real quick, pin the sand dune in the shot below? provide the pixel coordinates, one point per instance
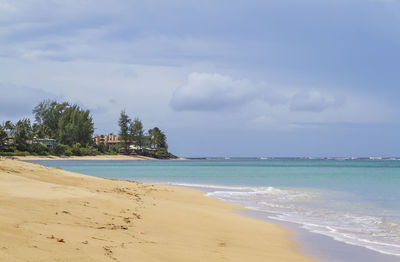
(47, 214)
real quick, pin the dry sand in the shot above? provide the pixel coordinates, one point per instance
(48, 214)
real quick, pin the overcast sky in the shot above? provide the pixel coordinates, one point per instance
(221, 78)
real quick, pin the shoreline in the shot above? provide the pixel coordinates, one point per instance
(322, 247)
(50, 214)
(316, 245)
(99, 157)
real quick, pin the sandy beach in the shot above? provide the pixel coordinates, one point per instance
(48, 214)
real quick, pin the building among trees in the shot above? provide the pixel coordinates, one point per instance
(48, 142)
(106, 139)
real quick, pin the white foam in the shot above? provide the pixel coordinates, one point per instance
(305, 207)
(211, 186)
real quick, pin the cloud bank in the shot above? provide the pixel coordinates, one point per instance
(212, 92)
(216, 92)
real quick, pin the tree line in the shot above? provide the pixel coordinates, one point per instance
(72, 128)
(70, 125)
(132, 133)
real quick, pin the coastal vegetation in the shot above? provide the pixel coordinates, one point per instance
(65, 129)
(133, 137)
(68, 124)
(124, 135)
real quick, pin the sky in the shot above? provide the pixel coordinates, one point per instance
(267, 78)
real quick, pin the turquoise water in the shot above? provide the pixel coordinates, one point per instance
(353, 201)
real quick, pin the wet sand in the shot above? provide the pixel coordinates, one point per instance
(322, 247)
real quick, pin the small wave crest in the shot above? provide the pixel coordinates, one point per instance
(310, 209)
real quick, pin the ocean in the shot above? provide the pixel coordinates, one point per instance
(352, 201)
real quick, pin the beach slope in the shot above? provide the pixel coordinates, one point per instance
(48, 214)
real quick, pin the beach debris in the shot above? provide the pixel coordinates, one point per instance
(61, 240)
(57, 167)
(124, 227)
(85, 242)
(65, 212)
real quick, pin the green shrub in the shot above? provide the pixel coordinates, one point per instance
(9, 149)
(38, 148)
(22, 147)
(23, 153)
(85, 151)
(68, 152)
(6, 153)
(76, 150)
(60, 149)
(112, 153)
(102, 148)
(44, 153)
(17, 153)
(162, 151)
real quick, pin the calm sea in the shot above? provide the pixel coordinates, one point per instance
(353, 201)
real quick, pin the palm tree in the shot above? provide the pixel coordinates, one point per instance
(22, 132)
(157, 138)
(9, 126)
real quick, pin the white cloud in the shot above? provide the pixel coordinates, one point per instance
(99, 31)
(314, 101)
(258, 106)
(212, 92)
